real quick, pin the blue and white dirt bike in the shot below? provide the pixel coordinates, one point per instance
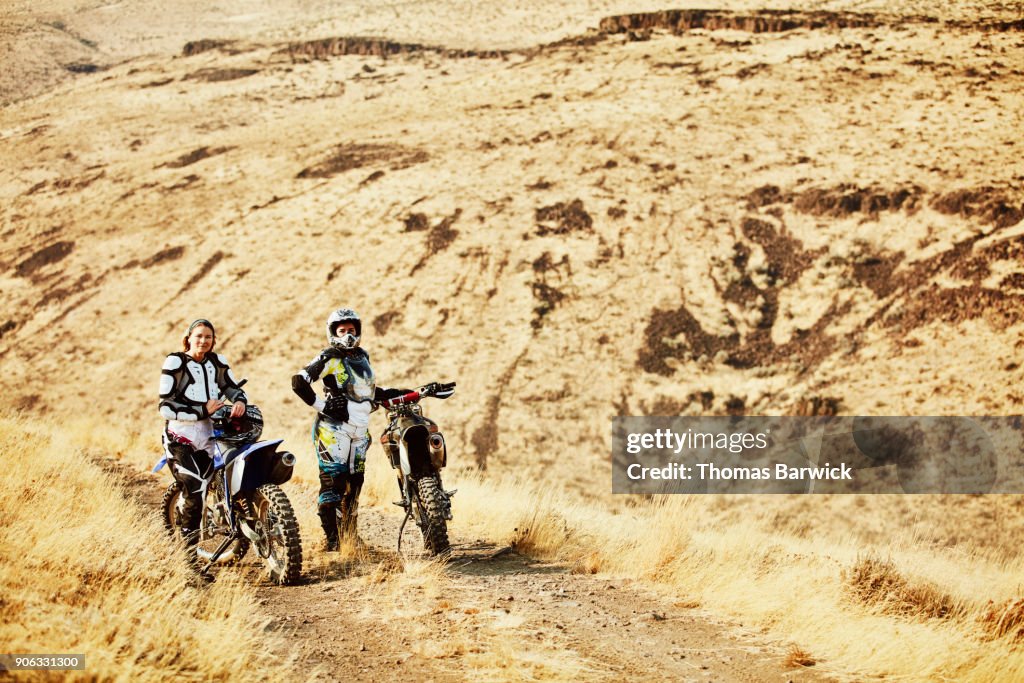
(243, 504)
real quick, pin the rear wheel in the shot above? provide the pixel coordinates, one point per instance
(433, 524)
(278, 542)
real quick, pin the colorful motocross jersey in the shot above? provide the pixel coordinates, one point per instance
(344, 373)
(187, 384)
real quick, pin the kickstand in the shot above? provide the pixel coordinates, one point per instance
(401, 528)
(216, 555)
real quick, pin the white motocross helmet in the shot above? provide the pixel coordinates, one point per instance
(345, 341)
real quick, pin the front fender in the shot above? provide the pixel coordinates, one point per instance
(258, 464)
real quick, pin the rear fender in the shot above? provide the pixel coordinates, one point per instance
(414, 451)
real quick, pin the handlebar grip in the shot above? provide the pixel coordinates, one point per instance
(411, 397)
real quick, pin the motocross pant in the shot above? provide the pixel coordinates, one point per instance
(192, 469)
(341, 456)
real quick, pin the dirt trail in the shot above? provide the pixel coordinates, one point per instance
(490, 612)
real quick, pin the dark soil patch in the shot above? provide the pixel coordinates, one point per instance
(987, 203)
(219, 75)
(195, 47)
(485, 437)
(195, 156)
(168, 254)
(992, 205)
(845, 200)
(787, 259)
(183, 183)
(35, 188)
(44, 257)
(816, 406)
(83, 68)
(416, 222)
(563, 219)
(662, 331)
(382, 323)
(678, 334)
(762, 21)
(954, 306)
(8, 326)
(345, 157)
(442, 235)
(735, 406)
(376, 175)
(439, 238)
(547, 296)
(876, 272)
(203, 271)
(326, 48)
(1013, 281)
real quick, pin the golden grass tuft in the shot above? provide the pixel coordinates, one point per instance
(387, 569)
(797, 656)
(878, 582)
(588, 564)
(84, 570)
(1005, 620)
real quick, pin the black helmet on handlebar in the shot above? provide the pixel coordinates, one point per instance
(244, 429)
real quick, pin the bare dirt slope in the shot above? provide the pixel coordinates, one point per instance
(370, 614)
(652, 218)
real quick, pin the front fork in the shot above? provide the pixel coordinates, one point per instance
(216, 506)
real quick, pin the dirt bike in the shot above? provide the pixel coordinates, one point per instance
(417, 452)
(243, 505)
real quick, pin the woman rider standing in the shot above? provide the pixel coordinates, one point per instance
(193, 385)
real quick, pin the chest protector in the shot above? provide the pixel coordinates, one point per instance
(360, 382)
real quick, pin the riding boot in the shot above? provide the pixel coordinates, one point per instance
(329, 521)
(350, 507)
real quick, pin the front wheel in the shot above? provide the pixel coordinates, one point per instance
(277, 534)
(211, 533)
(430, 508)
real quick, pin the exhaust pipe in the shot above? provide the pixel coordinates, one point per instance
(288, 459)
(436, 441)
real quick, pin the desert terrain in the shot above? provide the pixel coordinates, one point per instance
(576, 211)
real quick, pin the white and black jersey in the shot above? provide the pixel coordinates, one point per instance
(344, 373)
(187, 384)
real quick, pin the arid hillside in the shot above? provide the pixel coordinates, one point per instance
(679, 213)
(576, 210)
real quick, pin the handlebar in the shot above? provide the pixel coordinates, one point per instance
(411, 397)
(438, 390)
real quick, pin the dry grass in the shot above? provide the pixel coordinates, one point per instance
(874, 581)
(82, 571)
(919, 614)
(1005, 620)
(798, 657)
(925, 611)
